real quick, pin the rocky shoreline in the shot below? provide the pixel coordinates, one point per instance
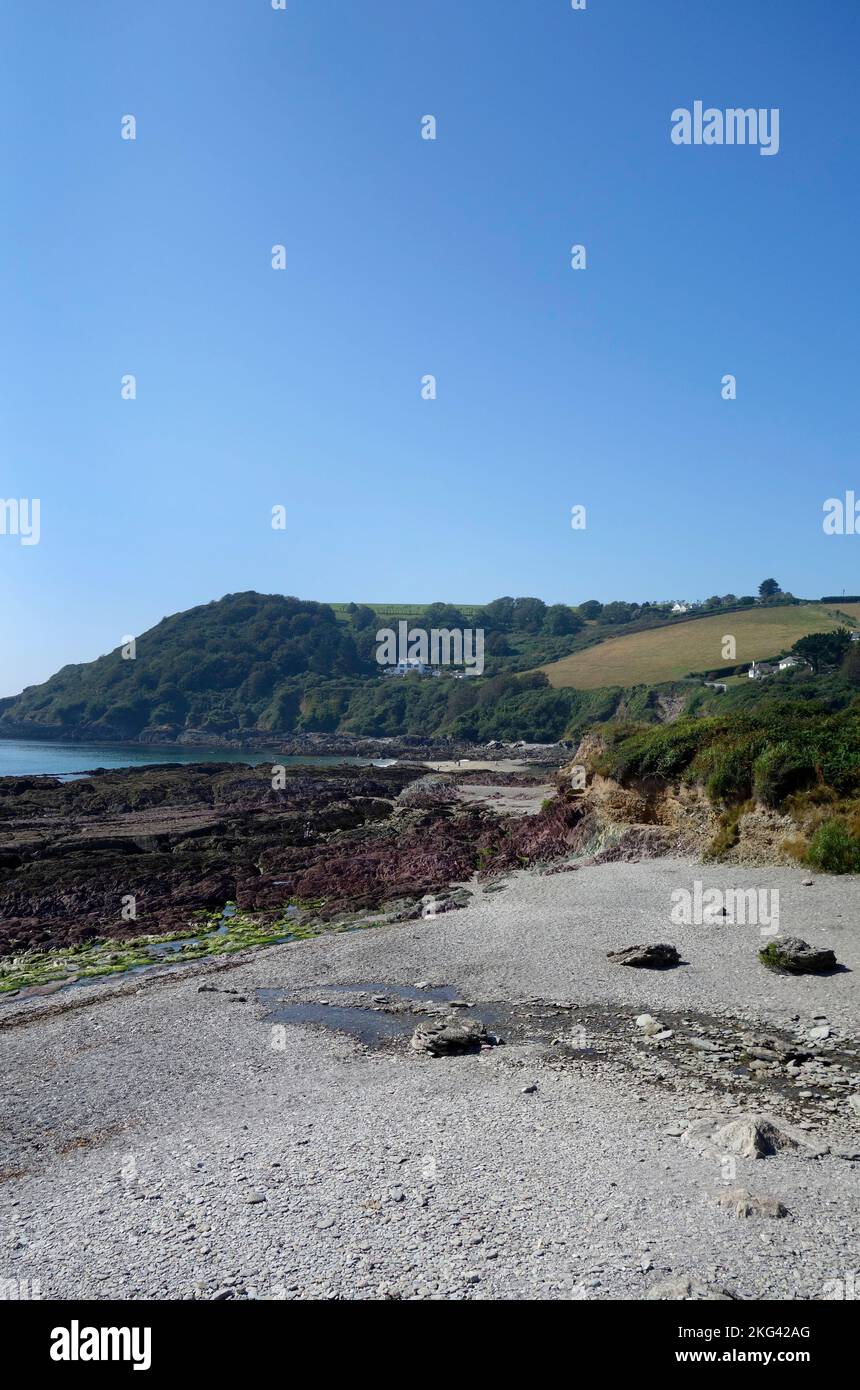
(489, 1094)
(129, 852)
(308, 744)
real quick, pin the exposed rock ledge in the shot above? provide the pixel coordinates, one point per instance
(646, 820)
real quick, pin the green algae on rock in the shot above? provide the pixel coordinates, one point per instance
(790, 955)
(215, 934)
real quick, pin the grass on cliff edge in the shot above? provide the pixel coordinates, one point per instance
(770, 753)
(801, 759)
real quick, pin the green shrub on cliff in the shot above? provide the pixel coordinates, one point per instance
(834, 850)
(780, 770)
(771, 752)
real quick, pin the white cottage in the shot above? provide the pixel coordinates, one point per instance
(760, 670)
(788, 663)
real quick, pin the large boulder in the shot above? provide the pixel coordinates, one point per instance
(449, 1037)
(789, 955)
(747, 1136)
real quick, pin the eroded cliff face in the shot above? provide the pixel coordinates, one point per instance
(648, 819)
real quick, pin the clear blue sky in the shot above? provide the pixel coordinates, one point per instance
(407, 257)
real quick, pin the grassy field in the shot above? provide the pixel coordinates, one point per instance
(669, 653)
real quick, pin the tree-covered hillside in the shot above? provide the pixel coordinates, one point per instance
(221, 666)
(269, 664)
(263, 664)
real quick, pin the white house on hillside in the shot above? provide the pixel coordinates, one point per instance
(411, 665)
(788, 663)
(760, 670)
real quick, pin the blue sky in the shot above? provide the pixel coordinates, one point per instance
(404, 257)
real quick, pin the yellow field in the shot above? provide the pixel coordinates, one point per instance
(668, 653)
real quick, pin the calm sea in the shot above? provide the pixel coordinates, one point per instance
(25, 757)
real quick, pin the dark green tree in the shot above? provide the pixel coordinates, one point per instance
(590, 609)
(823, 650)
(497, 616)
(768, 588)
(443, 615)
(529, 614)
(561, 621)
(614, 613)
(851, 664)
(360, 616)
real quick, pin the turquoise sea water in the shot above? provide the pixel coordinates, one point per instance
(26, 757)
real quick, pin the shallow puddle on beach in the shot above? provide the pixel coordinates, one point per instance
(569, 1034)
(380, 1013)
(368, 1026)
(369, 1022)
